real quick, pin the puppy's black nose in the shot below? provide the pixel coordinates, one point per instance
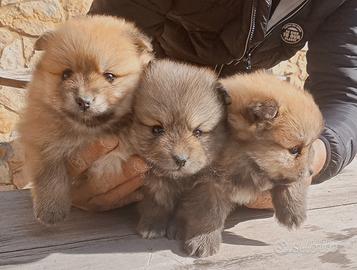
(84, 103)
(180, 160)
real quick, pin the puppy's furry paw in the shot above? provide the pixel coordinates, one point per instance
(290, 204)
(173, 232)
(204, 245)
(50, 211)
(291, 219)
(151, 230)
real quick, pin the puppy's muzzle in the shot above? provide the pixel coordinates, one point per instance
(84, 102)
(180, 160)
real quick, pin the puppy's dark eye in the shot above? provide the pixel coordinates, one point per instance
(66, 74)
(296, 150)
(110, 77)
(158, 130)
(197, 132)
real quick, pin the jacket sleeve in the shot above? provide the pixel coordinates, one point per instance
(332, 69)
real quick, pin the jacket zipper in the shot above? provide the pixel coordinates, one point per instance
(247, 57)
(248, 62)
(250, 33)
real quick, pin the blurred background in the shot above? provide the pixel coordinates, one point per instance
(21, 22)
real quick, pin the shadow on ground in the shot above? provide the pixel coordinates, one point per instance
(23, 240)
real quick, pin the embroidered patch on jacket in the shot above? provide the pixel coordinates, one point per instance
(292, 33)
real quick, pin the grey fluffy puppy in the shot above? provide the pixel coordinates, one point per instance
(179, 123)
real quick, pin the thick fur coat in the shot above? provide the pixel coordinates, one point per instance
(179, 123)
(272, 126)
(81, 90)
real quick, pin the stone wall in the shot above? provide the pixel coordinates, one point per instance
(21, 22)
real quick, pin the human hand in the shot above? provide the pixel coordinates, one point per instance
(109, 193)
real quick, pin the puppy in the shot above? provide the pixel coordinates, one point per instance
(179, 123)
(82, 89)
(272, 126)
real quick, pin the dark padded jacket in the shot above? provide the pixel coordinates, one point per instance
(243, 35)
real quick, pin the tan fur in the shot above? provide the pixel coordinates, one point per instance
(53, 126)
(298, 122)
(267, 119)
(179, 98)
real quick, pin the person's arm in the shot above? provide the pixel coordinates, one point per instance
(332, 69)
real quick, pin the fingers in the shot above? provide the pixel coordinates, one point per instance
(133, 197)
(134, 166)
(308, 181)
(117, 197)
(264, 201)
(87, 188)
(82, 160)
(320, 157)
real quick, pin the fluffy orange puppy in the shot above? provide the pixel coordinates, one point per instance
(82, 89)
(272, 126)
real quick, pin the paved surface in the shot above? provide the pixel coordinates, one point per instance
(252, 239)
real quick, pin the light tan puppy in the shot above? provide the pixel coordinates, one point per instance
(81, 89)
(272, 127)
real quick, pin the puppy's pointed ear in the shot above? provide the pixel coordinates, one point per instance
(143, 45)
(42, 42)
(265, 111)
(223, 94)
